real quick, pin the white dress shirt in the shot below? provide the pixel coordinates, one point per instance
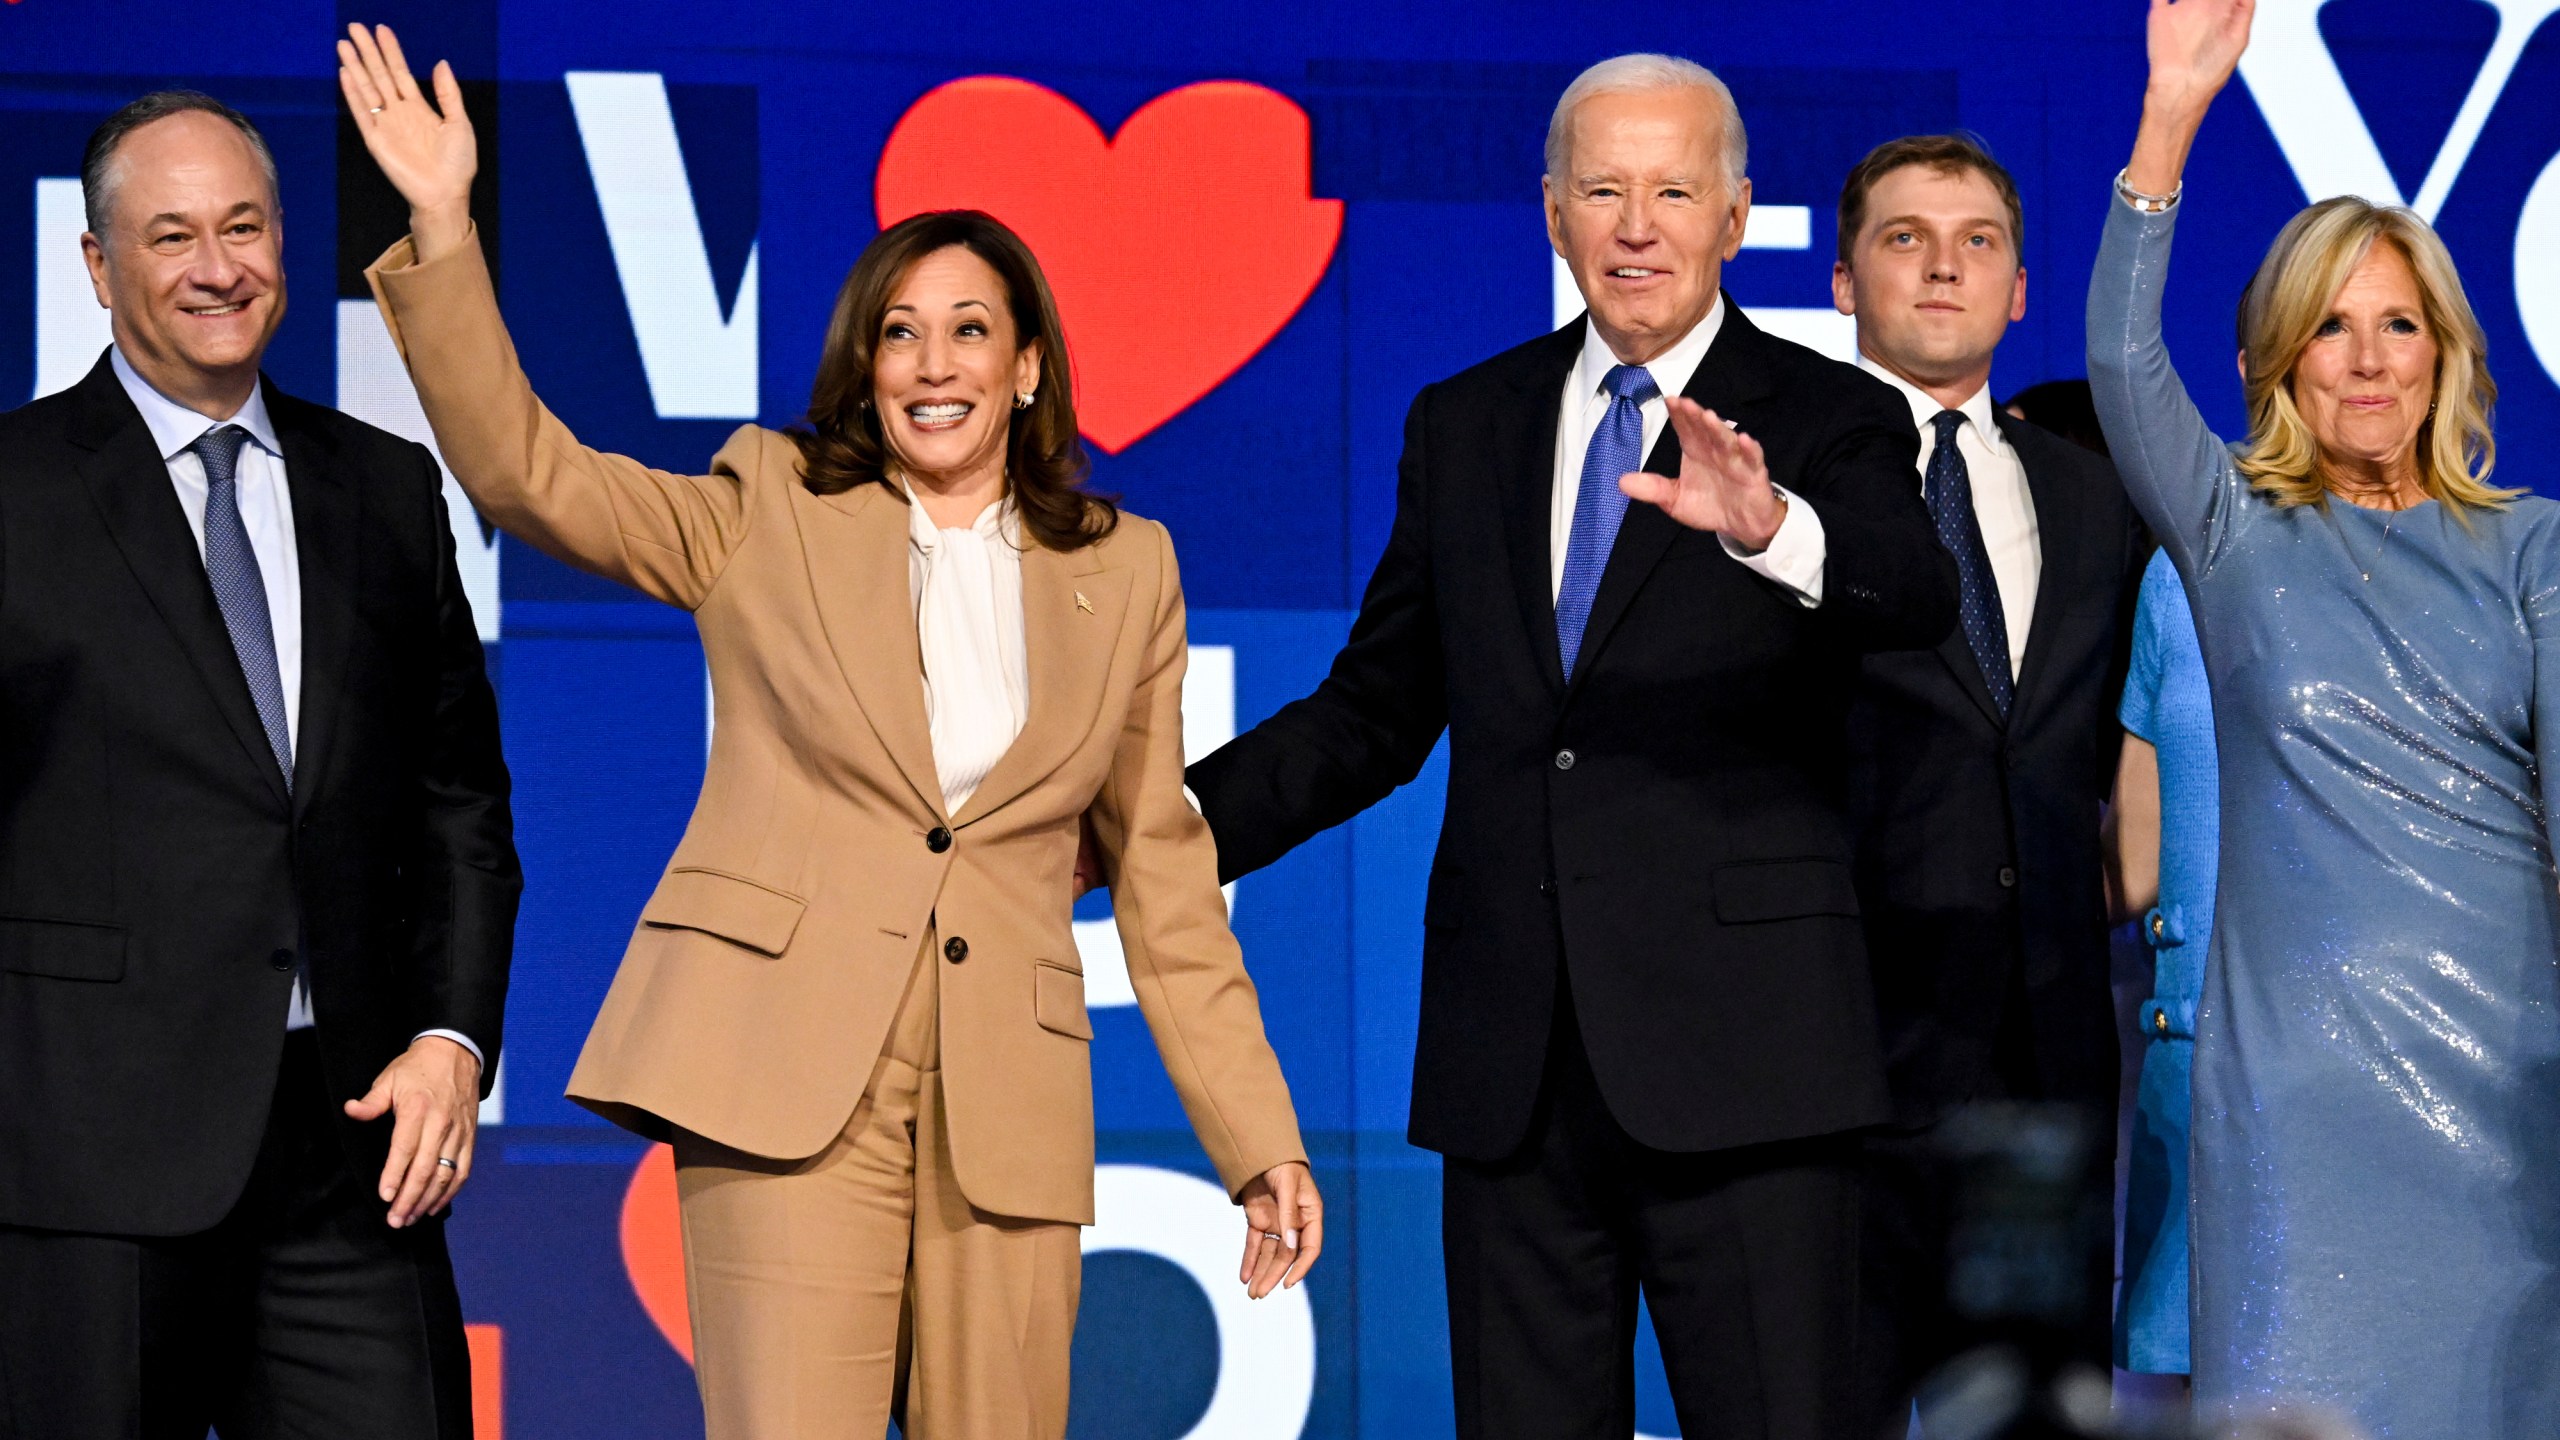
(2002, 504)
(266, 511)
(966, 582)
(1795, 554)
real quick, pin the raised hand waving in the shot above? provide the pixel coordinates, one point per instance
(425, 148)
(1723, 484)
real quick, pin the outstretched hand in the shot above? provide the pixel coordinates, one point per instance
(1723, 484)
(2194, 45)
(425, 148)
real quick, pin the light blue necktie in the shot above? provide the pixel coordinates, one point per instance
(1617, 447)
(240, 589)
(1986, 628)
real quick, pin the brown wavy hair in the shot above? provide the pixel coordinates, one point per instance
(1045, 464)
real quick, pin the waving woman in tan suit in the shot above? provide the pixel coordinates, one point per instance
(854, 1003)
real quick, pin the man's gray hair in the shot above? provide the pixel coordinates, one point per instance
(1627, 74)
(98, 173)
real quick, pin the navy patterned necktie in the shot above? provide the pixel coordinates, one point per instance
(1986, 629)
(240, 589)
(1617, 447)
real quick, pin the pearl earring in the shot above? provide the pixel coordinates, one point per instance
(1022, 401)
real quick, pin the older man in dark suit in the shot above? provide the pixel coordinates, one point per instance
(1633, 567)
(258, 879)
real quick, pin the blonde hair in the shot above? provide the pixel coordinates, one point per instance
(2290, 298)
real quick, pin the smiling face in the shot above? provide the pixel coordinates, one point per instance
(946, 368)
(2364, 382)
(1643, 216)
(1933, 277)
(191, 267)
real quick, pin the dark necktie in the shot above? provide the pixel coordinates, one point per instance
(1617, 447)
(1986, 629)
(240, 589)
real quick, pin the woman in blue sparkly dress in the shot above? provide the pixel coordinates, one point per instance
(2376, 1155)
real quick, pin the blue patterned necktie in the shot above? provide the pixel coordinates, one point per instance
(240, 589)
(1986, 629)
(1617, 447)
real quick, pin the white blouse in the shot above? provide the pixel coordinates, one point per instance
(967, 586)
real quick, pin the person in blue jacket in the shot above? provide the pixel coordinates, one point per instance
(2167, 819)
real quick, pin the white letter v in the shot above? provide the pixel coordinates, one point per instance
(701, 365)
(2298, 88)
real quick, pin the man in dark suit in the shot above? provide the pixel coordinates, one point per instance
(1646, 1030)
(1980, 768)
(258, 879)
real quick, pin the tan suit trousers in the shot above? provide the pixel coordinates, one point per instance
(832, 1292)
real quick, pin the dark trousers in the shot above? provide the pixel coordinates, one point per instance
(301, 1315)
(1747, 1259)
(1909, 1325)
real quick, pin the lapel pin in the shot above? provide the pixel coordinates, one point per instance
(1083, 604)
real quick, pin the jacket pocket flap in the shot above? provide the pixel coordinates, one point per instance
(721, 904)
(1057, 1000)
(1783, 890)
(62, 949)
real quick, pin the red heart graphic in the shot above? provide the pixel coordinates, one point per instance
(1176, 250)
(653, 1247)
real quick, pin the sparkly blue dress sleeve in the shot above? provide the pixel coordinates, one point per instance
(2374, 1191)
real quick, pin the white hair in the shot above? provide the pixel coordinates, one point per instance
(1628, 74)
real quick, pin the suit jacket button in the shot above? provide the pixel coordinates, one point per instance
(2008, 878)
(2160, 1021)
(1547, 887)
(281, 960)
(2159, 925)
(955, 949)
(937, 839)
(1564, 759)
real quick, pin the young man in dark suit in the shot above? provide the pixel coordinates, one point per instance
(1980, 768)
(258, 879)
(1647, 1035)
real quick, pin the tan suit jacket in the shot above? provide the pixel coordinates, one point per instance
(760, 983)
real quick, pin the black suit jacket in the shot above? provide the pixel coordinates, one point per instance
(1978, 840)
(157, 881)
(1670, 830)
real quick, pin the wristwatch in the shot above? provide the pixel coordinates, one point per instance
(2147, 204)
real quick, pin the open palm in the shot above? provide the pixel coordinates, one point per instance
(2195, 45)
(1723, 484)
(425, 148)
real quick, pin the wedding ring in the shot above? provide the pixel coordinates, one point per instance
(376, 110)
(447, 1162)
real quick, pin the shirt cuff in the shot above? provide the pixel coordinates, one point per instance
(1795, 555)
(458, 1038)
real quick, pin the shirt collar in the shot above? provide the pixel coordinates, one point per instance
(1671, 370)
(1000, 521)
(175, 428)
(1925, 407)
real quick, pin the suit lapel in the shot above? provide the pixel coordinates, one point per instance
(1072, 609)
(1728, 379)
(1522, 438)
(325, 513)
(855, 547)
(129, 483)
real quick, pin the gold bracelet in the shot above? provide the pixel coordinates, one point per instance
(2147, 204)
